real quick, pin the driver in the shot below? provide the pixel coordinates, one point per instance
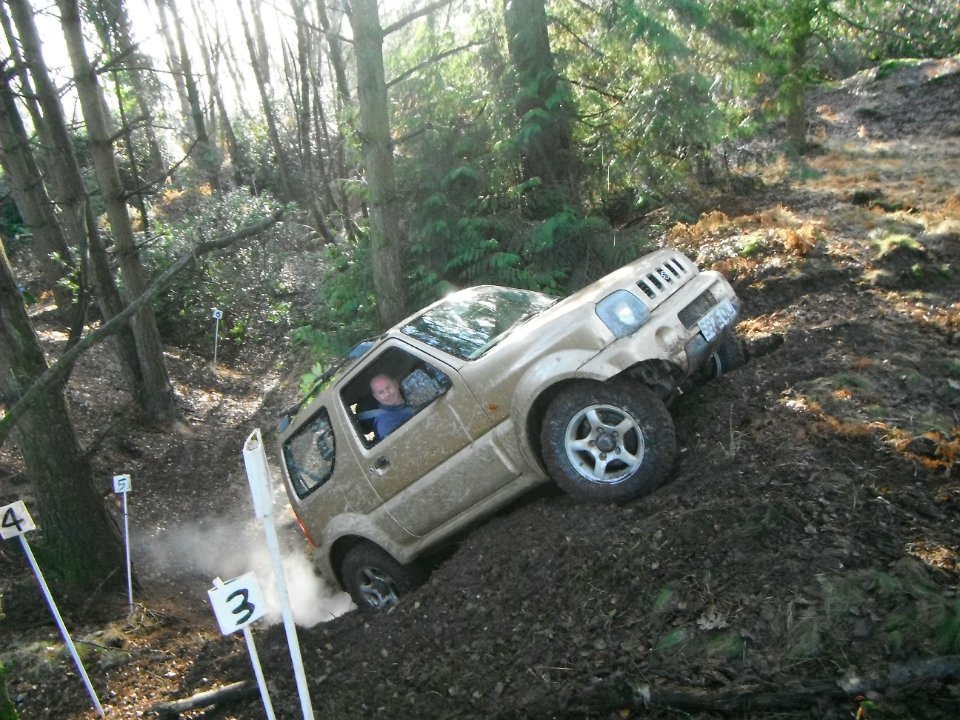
(394, 410)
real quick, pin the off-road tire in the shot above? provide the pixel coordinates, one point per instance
(728, 356)
(375, 580)
(608, 442)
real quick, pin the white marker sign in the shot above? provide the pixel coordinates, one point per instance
(237, 602)
(122, 484)
(15, 520)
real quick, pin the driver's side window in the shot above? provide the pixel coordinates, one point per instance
(393, 388)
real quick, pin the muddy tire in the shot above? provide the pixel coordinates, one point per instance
(729, 355)
(608, 442)
(375, 580)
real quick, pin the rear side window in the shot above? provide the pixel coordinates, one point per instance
(310, 454)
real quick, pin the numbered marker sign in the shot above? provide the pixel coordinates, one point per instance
(15, 520)
(122, 484)
(217, 314)
(237, 602)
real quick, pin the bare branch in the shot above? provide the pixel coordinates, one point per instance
(430, 61)
(61, 368)
(407, 19)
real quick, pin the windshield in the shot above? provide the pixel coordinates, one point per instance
(469, 323)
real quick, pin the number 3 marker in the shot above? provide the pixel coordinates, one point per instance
(237, 602)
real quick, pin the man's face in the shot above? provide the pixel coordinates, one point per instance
(386, 390)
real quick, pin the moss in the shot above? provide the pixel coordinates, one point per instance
(889, 67)
(891, 243)
(7, 710)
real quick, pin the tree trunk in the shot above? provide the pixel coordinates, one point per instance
(20, 68)
(336, 144)
(336, 56)
(544, 108)
(322, 135)
(59, 371)
(173, 61)
(204, 154)
(32, 200)
(235, 148)
(267, 105)
(385, 240)
(312, 183)
(156, 382)
(138, 67)
(70, 193)
(80, 542)
(800, 15)
(262, 54)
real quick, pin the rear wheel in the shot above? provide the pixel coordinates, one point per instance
(375, 580)
(608, 442)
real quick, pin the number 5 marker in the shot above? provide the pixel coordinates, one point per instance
(122, 484)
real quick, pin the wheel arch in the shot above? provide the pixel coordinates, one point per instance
(338, 551)
(660, 376)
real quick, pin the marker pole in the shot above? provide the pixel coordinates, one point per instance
(239, 609)
(217, 314)
(63, 628)
(258, 475)
(258, 672)
(126, 542)
(121, 484)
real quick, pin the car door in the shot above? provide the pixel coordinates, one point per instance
(442, 461)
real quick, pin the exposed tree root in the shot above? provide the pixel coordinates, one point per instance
(227, 693)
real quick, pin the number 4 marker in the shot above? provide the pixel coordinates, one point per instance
(15, 520)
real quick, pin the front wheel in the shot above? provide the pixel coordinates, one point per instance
(375, 580)
(728, 356)
(608, 442)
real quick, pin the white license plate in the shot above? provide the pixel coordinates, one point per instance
(717, 320)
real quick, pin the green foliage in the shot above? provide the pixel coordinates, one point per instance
(310, 381)
(672, 639)
(11, 223)
(8, 710)
(885, 245)
(244, 281)
(879, 30)
(663, 600)
(346, 308)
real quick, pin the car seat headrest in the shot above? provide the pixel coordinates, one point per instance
(419, 387)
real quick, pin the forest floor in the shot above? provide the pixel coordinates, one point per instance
(801, 562)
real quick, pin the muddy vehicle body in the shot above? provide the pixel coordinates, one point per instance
(508, 389)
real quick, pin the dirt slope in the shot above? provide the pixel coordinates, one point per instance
(806, 545)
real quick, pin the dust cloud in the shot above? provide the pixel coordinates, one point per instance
(227, 547)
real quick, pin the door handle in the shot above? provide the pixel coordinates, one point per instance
(380, 464)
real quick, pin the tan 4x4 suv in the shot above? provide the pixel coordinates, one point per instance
(506, 389)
